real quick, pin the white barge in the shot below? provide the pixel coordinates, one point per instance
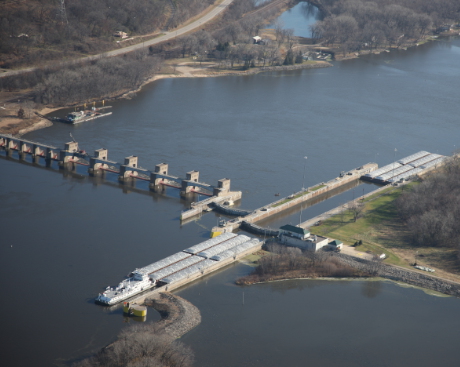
(182, 267)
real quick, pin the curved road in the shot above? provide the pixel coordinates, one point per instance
(165, 37)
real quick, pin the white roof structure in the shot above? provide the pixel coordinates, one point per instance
(394, 172)
(187, 272)
(192, 260)
(413, 157)
(162, 263)
(204, 264)
(412, 168)
(405, 175)
(209, 243)
(433, 163)
(383, 170)
(232, 242)
(424, 160)
(236, 250)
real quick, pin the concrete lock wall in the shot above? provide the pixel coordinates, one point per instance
(330, 185)
(198, 208)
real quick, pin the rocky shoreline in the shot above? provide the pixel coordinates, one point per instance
(178, 316)
(394, 273)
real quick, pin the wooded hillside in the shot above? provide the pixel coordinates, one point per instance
(431, 209)
(33, 31)
(362, 24)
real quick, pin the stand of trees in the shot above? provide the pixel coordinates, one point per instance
(61, 85)
(104, 78)
(289, 262)
(233, 45)
(362, 24)
(86, 81)
(139, 346)
(431, 209)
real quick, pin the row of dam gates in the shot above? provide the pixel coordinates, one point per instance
(99, 163)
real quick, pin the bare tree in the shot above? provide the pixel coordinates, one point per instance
(356, 209)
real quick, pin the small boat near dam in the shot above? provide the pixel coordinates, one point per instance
(78, 117)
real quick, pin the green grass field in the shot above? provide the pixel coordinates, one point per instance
(373, 228)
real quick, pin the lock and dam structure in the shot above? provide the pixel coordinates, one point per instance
(209, 256)
(220, 197)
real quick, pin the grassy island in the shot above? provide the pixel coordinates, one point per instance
(291, 263)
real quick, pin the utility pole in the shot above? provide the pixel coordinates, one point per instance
(394, 163)
(62, 13)
(304, 169)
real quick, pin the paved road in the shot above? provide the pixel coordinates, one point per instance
(165, 37)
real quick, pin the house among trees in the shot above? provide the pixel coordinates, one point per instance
(120, 34)
(257, 40)
(444, 28)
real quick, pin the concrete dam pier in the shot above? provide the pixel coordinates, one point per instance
(128, 171)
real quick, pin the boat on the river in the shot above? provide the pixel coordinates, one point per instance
(78, 117)
(129, 287)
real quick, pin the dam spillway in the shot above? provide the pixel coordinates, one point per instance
(129, 171)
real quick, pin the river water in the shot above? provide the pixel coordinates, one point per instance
(65, 236)
(299, 18)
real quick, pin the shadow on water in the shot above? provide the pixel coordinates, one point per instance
(371, 289)
(78, 174)
(284, 286)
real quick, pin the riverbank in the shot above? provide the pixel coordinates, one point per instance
(399, 274)
(18, 126)
(211, 69)
(361, 269)
(10, 123)
(291, 263)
